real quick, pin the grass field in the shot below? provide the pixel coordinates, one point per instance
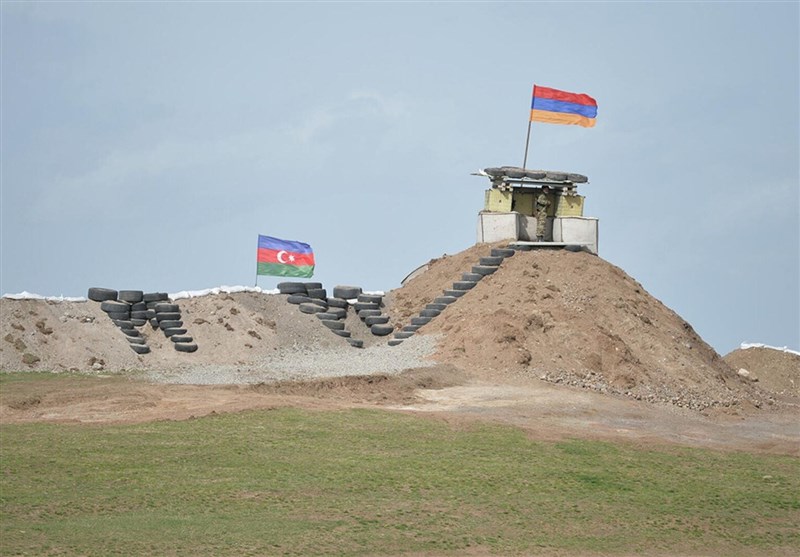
(358, 482)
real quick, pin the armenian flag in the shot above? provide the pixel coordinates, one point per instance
(561, 107)
(284, 258)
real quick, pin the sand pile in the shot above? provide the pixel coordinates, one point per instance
(777, 371)
(569, 318)
(573, 318)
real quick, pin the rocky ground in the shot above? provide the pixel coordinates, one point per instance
(557, 342)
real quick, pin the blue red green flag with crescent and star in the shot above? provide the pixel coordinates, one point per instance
(284, 258)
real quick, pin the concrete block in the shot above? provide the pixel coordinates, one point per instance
(577, 230)
(494, 227)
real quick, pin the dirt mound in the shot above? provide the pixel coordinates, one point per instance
(229, 329)
(573, 318)
(569, 318)
(774, 370)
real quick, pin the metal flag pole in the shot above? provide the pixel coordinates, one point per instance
(527, 142)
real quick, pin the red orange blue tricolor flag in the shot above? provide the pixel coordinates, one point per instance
(561, 107)
(284, 258)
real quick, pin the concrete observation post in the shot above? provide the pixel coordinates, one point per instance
(510, 209)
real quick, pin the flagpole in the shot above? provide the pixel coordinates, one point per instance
(527, 142)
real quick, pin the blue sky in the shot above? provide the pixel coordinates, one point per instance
(146, 145)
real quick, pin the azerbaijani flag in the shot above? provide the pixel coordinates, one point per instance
(560, 107)
(284, 258)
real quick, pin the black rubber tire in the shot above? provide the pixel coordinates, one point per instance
(130, 295)
(154, 323)
(97, 294)
(430, 313)
(311, 308)
(339, 313)
(356, 343)
(327, 316)
(464, 285)
(381, 330)
(136, 340)
(291, 288)
(346, 292)
(376, 320)
(334, 325)
(185, 347)
(411, 328)
(338, 303)
(168, 316)
(556, 176)
(535, 174)
(447, 300)
(420, 320)
(139, 314)
(577, 178)
(341, 332)
(454, 293)
(311, 285)
(139, 306)
(483, 270)
(140, 348)
(174, 331)
(170, 324)
(490, 261)
(298, 299)
(361, 306)
(181, 338)
(112, 306)
(163, 307)
(403, 334)
(495, 172)
(374, 298)
(502, 252)
(119, 315)
(437, 307)
(155, 296)
(123, 323)
(131, 332)
(321, 303)
(471, 277)
(395, 341)
(522, 247)
(364, 313)
(318, 294)
(138, 322)
(151, 314)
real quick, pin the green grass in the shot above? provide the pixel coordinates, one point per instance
(358, 482)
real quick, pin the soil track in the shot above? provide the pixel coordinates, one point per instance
(560, 344)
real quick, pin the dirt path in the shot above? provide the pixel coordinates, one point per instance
(543, 410)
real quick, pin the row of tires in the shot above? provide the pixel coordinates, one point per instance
(130, 309)
(485, 267)
(312, 298)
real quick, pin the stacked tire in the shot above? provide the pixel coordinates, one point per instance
(486, 266)
(168, 318)
(369, 310)
(119, 308)
(312, 299)
(343, 295)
